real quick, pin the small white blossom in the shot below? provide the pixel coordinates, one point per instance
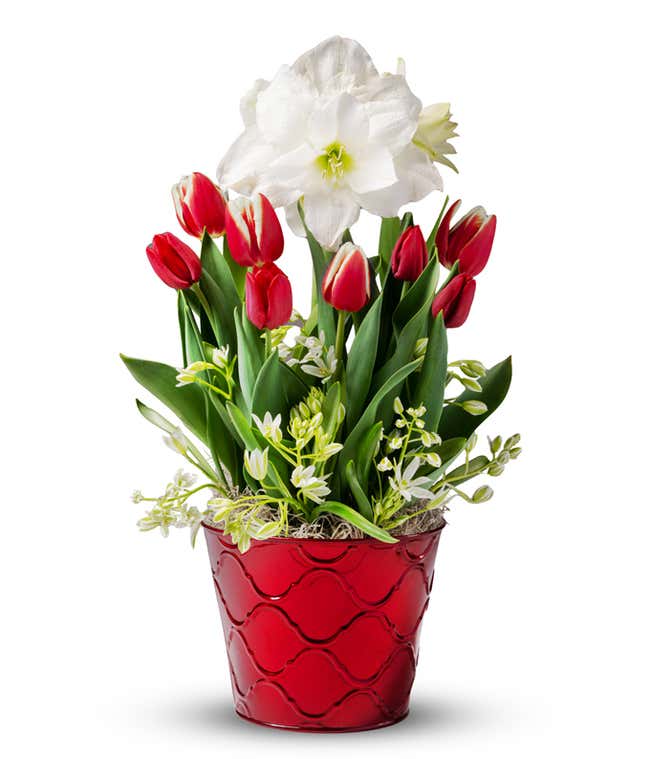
(220, 357)
(177, 442)
(137, 496)
(433, 459)
(257, 463)
(270, 427)
(394, 442)
(313, 488)
(407, 485)
(385, 465)
(184, 480)
(398, 406)
(429, 439)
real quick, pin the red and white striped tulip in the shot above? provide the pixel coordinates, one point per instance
(173, 261)
(199, 205)
(469, 241)
(269, 300)
(346, 284)
(410, 255)
(253, 231)
(455, 300)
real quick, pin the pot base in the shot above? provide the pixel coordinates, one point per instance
(317, 729)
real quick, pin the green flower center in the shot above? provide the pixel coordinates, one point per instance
(334, 162)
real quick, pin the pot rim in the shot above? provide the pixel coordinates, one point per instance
(334, 541)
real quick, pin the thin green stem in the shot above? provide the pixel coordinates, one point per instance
(339, 346)
(268, 343)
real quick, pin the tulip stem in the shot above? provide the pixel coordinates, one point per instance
(340, 344)
(196, 289)
(268, 343)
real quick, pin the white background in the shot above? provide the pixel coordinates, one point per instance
(536, 639)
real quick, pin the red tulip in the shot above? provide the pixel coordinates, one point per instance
(253, 231)
(173, 261)
(199, 205)
(346, 284)
(455, 300)
(268, 296)
(410, 255)
(469, 241)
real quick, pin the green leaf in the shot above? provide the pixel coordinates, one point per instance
(242, 427)
(421, 292)
(366, 453)
(238, 272)
(188, 402)
(431, 239)
(193, 349)
(388, 234)
(222, 317)
(361, 362)
(330, 409)
(357, 491)
(217, 267)
(405, 346)
(277, 388)
(369, 417)
(181, 305)
(455, 422)
(326, 319)
(352, 516)
(431, 382)
(250, 355)
(469, 470)
(222, 444)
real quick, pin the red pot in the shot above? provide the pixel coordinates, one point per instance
(322, 635)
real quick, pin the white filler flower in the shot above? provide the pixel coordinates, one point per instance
(333, 131)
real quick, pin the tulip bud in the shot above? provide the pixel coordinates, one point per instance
(199, 205)
(268, 296)
(346, 284)
(455, 301)
(469, 241)
(253, 231)
(173, 261)
(410, 255)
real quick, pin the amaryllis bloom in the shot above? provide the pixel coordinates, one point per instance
(410, 255)
(469, 241)
(253, 231)
(173, 261)
(332, 131)
(435, 129)
(455, 300)
(268, 296)
(199, 205)
(346, 284)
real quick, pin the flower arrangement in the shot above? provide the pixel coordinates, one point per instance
(347, 421)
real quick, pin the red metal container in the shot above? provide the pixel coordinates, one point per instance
(322, 635)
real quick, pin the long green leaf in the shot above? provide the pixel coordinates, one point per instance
(238, 272)
(361, 362)
(357, 491)
(249, 355)
(420, 292)
(431, 239)
(277, 388)
(388, 234)
(369, 417)
(430, 385)
(455, 422)
(188, 403)
(352, 516)
(326, 320)
(366, 453)
(222, 317)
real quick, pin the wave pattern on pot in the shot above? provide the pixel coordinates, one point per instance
(323, 635)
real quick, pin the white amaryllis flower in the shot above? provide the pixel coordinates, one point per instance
(407, 484)
(332, 131)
